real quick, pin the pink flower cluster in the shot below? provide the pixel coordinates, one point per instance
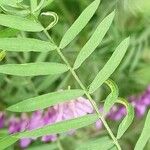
(64, 111)
(69, 110)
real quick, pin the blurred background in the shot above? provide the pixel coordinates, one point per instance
(132, 76)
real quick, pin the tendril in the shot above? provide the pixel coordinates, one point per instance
(55, 19)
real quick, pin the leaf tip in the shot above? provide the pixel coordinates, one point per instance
(127, 40)
(9, 109)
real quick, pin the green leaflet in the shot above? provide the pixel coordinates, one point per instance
(95, 40)
(33, 69)
(110, 66)
(103, 143)
(46, 100)
(25, 45)
(145, 135)
(60, 127)
(79, 24)
(7, 141)
(112, 97)
(20, 23)
(126, 122)
(16, 11)
(12, 3)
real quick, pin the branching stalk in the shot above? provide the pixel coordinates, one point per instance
(86, 92)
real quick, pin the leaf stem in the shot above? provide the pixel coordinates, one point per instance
(59, 144)
(86, 92)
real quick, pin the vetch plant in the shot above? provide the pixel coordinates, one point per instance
(26, 20)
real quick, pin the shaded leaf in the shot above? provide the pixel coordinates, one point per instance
(126, 122)
(2, 55)
(60, 127)
(110, 66)
(103, 143)
(142, 74)
(47, 82)
(20, 23)
(8, 32)
(79, 24)
(145, 135)
(25, 45)
(95, 40)
(52, 146)
(112, 97)
(46, 100)
(33, 69)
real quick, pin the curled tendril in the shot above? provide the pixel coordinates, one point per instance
(55, 17)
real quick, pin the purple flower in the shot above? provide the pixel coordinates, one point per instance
(2, 119)
(65, 111)
(14, 125)
(117, 112)
(69, 110)
(49, 138)
(73, 109)
(36, 120)
(25, 142)
(23, 126)
(140, 109)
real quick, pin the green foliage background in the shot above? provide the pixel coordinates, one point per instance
(132, 76)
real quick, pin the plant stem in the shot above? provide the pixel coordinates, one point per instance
(85, 91)
(87, 94)
(90, 98)
(83, 87)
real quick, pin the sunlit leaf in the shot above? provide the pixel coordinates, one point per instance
(20, 23)
(25, 45)
(95, 40)
(145, 135)
(103, 143)
(33, 69)
(79, 24)
(46, 100)
(110, 66)
(12, 3)
(60, 127)
(7, 141)
(112, 97)
(126, 122)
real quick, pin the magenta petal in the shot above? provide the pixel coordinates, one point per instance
(14, 125)
(2, 119)
(49, 138)
(25, 142)
(99, 124)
